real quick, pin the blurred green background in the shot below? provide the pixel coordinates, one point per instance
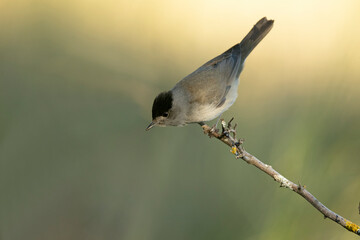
(77, 81)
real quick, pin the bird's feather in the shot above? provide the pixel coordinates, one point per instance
(210, 83)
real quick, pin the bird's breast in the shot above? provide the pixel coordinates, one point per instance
(208, 112)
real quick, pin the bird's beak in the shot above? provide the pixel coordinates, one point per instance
(150, 126)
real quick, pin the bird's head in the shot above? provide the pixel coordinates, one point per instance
(162, 112)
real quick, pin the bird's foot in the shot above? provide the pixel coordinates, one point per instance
(214, 129)
(227, 135)
(229, 132)
(208, 130)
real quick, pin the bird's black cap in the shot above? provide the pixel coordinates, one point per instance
(162, 104)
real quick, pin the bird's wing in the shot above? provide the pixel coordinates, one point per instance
(210, 83)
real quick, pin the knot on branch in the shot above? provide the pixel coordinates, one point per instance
(284, 182)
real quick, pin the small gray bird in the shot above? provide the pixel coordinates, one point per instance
(209, 91)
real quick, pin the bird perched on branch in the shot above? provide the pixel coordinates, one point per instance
(210, 90)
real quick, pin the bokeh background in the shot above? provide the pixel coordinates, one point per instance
(77, 81)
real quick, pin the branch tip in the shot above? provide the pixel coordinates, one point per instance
(229, 123)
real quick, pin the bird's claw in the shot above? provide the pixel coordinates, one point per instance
(214, 129)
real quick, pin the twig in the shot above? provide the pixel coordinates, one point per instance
(239, 151)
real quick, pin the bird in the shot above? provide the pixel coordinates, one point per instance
(210, 90)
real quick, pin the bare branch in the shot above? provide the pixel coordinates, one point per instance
(239, 151)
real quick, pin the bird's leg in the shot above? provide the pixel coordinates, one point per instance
(214, 127)
(201, 123)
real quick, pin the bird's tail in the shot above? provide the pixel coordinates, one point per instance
(256, 34)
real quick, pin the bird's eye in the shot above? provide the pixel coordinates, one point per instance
(165, 114)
